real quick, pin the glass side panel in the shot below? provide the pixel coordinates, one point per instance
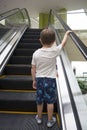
(10, 25)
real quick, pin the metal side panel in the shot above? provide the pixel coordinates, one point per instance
(67, 117)
(79, 116)
(4, 56)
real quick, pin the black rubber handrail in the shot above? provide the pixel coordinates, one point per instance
(29, 22)
(75, 38)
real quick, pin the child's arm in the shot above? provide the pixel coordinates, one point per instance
(65, 38)
(33, 73)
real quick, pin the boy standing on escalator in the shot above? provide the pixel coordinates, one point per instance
(44, 73)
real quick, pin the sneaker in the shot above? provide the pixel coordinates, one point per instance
(52, 122)
(39, 120)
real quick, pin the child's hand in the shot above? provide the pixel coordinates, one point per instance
(68, 32)
(65, 37)
(34, 84)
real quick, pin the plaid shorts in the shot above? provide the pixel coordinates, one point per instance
(46, 90)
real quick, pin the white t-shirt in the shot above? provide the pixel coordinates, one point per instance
(45, 61)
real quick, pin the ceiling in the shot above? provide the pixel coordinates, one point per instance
(35, 7)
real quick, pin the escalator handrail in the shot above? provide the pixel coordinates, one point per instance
(74, 37)
(29, 22)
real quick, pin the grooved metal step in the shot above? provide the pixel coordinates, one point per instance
(20, 101)
(17, 101)
(17, 69)
(24, 52)
(24, 122)
(20, 60)
(16, 82)
(25, 45)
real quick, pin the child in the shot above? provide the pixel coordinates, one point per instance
(44, 73)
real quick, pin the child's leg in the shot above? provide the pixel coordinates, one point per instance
(51, 119)
(39, 96)
(39, 110)
(50, 109)
(39, 113)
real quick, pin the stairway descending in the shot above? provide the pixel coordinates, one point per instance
(16, 93)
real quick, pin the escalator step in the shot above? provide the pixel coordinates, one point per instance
(30, 40)
(17, 69)
(23, 122)
(33, 30)
(20, 101)
(17, 101)
(16, 82)
(23, 52)
(31, 36)
(20, 60)
(31, 33)
(29, 45)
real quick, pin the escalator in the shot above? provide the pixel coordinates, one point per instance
(17, 97)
